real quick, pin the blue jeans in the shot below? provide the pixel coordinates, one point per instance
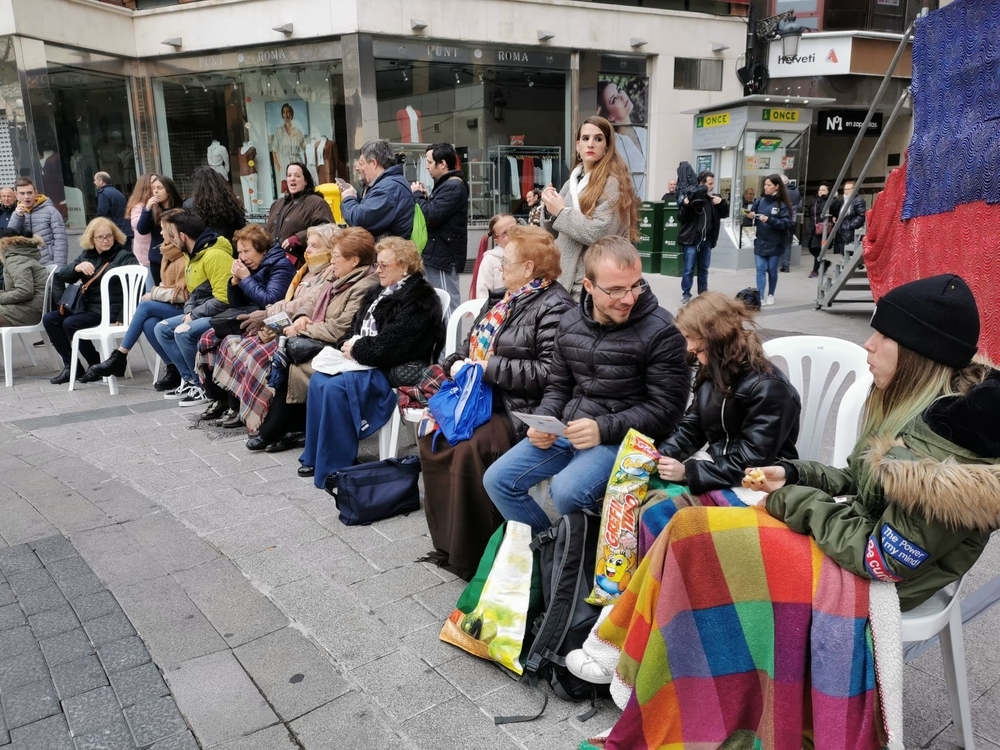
(147, 315)
(786, 256)
(768, 265)
(446, 280)
(181, 348)
(702, 254)
(579, 479)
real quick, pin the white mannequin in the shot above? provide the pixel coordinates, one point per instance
(218, 158)
(248, 178)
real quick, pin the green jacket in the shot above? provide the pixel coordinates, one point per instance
(934, 505)
(24, 279)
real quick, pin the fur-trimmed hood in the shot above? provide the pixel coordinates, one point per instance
(30, 247)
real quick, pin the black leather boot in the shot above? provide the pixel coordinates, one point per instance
(170, 380)
(113, 365)
(63, 376)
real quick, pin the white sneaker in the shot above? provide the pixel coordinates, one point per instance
(769, 300)
(179, 392)
(578, 663)
(195, 397)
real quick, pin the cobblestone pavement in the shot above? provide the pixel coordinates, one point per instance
(269, 623)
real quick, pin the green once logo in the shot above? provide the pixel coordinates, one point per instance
(766, 115)
(700, 122)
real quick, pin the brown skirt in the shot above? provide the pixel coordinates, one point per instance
(460, 515)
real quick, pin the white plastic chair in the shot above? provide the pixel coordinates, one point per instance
(388, 436)
(941, 615)
(825, 356)
(445, 301)
(7, 334)
(133, 281)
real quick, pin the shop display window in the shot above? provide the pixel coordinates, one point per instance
(249, 125)
(482, 111)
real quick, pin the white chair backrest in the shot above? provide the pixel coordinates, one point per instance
(831, 363)
(852, 406)
(47, 300)
(445, 302)
(133, 281)
(468, 309)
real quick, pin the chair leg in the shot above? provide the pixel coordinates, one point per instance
(28, 350)
(388, 437)
(8, 359)
(74, 358)
(105, 354)
(953, 656)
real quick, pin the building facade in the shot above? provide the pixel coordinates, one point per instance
(247, 86)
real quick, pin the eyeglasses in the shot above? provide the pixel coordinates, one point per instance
(104, 237)
(616, 294)
(383, 266)
(504, 262)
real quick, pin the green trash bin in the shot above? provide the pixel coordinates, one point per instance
(672, 260)
(650, 244)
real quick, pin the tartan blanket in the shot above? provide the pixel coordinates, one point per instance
(242, 367)
(208, 347)
(737, 628)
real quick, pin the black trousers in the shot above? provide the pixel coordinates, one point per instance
(282, 417)
(61, 329)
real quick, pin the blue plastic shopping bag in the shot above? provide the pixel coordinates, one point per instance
(462, 404)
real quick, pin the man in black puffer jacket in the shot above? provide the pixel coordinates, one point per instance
(619, 363)
(446, 211)
(700, 217)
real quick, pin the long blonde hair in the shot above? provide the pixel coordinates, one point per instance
(610, 165)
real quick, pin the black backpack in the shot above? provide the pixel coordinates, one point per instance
(567, 555)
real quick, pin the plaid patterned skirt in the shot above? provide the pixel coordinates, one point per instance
(241, 367)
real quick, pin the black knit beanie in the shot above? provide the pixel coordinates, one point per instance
(935, 317)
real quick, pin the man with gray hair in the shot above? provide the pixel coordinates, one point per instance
(386, 209)
(619, 362)
(111, 203)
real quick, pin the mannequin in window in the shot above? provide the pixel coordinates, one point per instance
(288, 143)
(52, 177)
(248, 177)
(614, 105)
(218, 158)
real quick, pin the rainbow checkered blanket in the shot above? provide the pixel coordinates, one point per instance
(737, 628)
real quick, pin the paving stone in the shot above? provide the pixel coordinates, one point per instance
(395, 585)
(29, 580)
(29, 703)
(16, 642)
(53, 548)
(66, 647)
(116, 557)
(314, 601)
(232, 605)
(350, 722)
(170, 542)
(349, 568)
(109, 628)
(114, 736)
(426, 644)
(217, 698)
(272, 738)
(69, 567)
(179, 742)
(11, 617)
(355, 638)
(81, 585)
(457, 723)
(53, 622)
(95, 605)
(154, 720)
(47, 734)
(405, 616)
(168, 621)
(475, 678)
(6, 595)
(127, 653)
(294, 674)
(138, 684)
(18, 559)
(402, 684)
(40, 601)
(22, 669)
(90, 711)
(78, 676)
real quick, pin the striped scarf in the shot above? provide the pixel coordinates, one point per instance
(368, 326)
(483, 333)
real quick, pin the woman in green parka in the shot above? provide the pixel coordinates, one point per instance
(925, 475)
(24, 279)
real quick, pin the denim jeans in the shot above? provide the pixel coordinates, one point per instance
(579, 479)
(786, 256)
(702, 254)
(181, 348)
(147, 315)
(446, 280)
(768, 266)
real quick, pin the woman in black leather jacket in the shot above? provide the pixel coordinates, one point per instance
(744, 408)
(512, 339)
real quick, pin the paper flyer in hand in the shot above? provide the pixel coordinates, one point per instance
(541, 422)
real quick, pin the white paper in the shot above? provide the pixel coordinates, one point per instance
(541, 422)
(278, 322)
(332, 361)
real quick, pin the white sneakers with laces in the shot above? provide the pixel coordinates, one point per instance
(769, 300)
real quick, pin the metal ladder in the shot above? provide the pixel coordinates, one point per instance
(848, 272)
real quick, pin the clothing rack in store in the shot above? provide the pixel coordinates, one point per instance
(511, 177)
(415, 168)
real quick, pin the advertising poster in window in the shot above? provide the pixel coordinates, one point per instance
(288, 122)
(623, 99)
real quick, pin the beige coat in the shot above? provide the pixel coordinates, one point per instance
(337, 318)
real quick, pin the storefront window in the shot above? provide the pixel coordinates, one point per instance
(250, 124)
(509, 124)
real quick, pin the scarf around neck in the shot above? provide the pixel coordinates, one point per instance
(485, 331)
(577, 185)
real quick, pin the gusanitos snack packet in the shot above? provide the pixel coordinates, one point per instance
(618, 544)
